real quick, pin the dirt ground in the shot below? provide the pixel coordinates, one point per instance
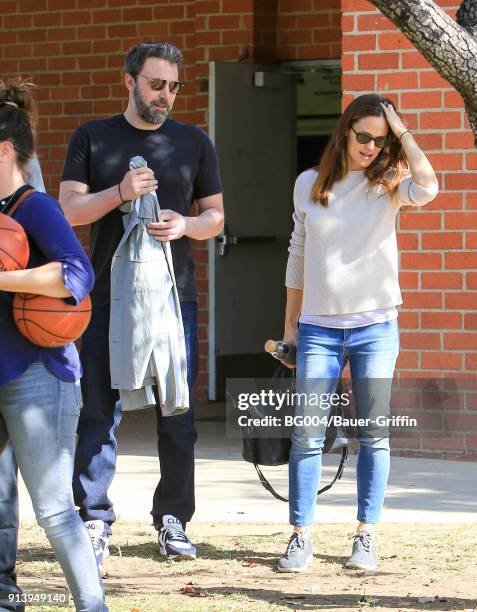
(421, 567)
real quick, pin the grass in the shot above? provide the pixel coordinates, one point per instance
(236, 570)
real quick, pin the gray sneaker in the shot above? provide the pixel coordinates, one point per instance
(364, 552)
(299, 555)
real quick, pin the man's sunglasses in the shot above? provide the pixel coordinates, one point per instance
(364, 138)
(159, 84)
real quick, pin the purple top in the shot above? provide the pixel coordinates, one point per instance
(51, 238)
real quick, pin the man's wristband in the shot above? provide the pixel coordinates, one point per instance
(406, 132)
(120, 194)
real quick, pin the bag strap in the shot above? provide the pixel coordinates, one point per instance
(339, 473)
(23, 197)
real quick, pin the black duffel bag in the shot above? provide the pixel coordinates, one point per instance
(276, 451)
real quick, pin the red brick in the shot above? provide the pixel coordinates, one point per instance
(76, 48)
(407, 360)
(414, 59)
(441, 320)
(397, 80)
(359, 42)
(419, 220)
(107, 16)
(442, 280)
(471, 161)
(378, 61)
(77, 18)
(440, 120)
(431, 80)
(347, 62)
(421, 261)
(61, 34)
(461, 180)
(453, 99)
(440, 361)
(429, 142)
(17, 22)
(464, 341)
(450, 442)
(461, 300)
(420, 340)
(471, 280)
(374, 23)
(318, 21)
(431, 99)
(471, 361)
(442, 240)
(465, 260)
(408, 320)
(460, 220)
(122, 30)
(459, 140)
(358, 82)
(297, 37)
(356, 6)
(295, 6)
(451, 200)
(408, 241)
(18, 51)
(145, 13)
(393, 41)
(348, 24)
(409, 280)
(422, 299)
(470, 200)
(205, 7)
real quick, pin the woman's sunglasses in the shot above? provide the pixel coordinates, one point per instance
(159, 84)
(364, 138)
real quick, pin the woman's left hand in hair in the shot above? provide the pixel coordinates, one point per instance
(395, 122)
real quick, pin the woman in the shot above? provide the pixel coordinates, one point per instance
(342, 287)
(40, 398)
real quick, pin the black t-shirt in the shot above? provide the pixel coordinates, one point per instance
(184, 163)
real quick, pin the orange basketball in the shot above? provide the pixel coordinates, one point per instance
(48, 321)
(14, 249)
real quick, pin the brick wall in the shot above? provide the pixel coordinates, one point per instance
(437, 244)
(75, 55)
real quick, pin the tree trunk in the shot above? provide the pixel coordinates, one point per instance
(450, 47)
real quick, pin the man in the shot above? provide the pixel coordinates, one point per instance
(182, 168)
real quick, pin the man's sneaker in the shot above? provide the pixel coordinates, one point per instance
(364, 552)
(299, 555)
(100, 540)
(173, 542)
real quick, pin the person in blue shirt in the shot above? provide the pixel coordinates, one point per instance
(40, 397)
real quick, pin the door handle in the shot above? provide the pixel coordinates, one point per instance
(225, 241)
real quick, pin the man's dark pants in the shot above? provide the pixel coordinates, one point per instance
(95, 459)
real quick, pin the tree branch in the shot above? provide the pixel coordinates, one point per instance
(446, 45)
(467, 17)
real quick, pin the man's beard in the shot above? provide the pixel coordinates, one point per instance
(146, 113)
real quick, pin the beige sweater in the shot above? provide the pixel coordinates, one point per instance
(345, 257)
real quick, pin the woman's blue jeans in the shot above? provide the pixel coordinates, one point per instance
(39, 414)
(322, 353)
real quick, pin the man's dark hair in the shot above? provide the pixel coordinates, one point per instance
(138, 54)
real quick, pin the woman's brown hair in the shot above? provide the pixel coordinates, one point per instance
(387, 169)
(18, 117)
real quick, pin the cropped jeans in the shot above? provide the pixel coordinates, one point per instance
(39, 414)
(322, 353)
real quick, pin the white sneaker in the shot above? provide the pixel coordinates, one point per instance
(173, 542)
(100, 540)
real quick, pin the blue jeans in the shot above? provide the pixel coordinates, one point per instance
(322, 353)
(8, 523)
(95, 459)
(39, 413)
